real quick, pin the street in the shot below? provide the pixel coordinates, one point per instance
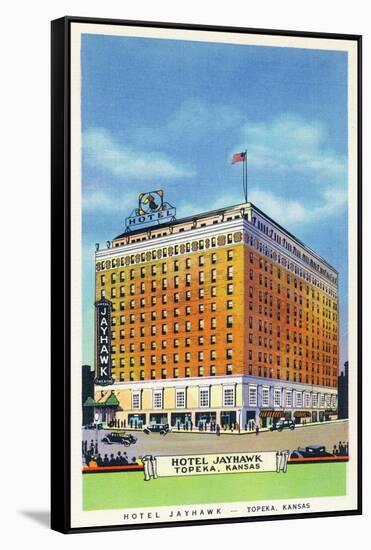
(177, 443)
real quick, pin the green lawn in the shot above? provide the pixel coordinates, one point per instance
(129, 490)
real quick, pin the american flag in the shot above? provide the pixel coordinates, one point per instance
(239, 157)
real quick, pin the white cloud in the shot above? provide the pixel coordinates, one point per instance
(290, 143)
(102, 151)
(284, 210)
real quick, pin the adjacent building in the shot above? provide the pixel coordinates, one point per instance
(343, 384)
(222, 317)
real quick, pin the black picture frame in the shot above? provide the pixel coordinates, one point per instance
(61, 269)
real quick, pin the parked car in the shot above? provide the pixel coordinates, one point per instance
(162, 429)
(93, 427)
(120, 438)
(282, 425)
(310, 451)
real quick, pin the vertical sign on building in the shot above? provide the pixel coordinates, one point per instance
(103, 342)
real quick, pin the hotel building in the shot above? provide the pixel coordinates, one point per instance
(222, 317)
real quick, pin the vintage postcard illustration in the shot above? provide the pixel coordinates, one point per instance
(214, 360)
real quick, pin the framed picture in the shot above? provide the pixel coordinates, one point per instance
(206, 274)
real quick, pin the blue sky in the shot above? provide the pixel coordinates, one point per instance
(170, 114)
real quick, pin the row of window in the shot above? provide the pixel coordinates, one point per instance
(229, 398)
(201, 371)
(262, 372)
(262, 397)
(280, 397)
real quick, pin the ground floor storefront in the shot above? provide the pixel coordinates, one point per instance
(212, 403)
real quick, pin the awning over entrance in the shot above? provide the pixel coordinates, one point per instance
(271, 414)
(90, 402)
(302, 414)
(111, 401)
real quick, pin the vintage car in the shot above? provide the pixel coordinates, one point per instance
(311, 451)
(282, 425)
(120, 438)
(94, 427)
(162, 429)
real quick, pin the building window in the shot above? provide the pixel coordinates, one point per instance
(265, 397)
(213, 258)
(180, 399)
(314, 400)
(212, 370)
(298, 399)
(200, 371)
(230, 288)
(229, 321)
(228, 396)
(157, 399)
(135, 400)
(188, 326)
(277, 397)
(288, 399)
(230, 272)
(307, 400)
(204, 397)
(229, 369)
(230, 255)
(163, 373)
(253, 395)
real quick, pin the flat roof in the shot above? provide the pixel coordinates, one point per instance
(220, 211)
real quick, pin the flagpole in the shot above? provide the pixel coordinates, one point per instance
(245, 161)
(243, 177)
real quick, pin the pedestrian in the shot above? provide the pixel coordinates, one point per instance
(256, 429)
(217, 430)
(191, 425)
(105, 460)
(96, 448)
(335, 451)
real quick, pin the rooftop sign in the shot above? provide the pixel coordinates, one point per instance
(152, 210)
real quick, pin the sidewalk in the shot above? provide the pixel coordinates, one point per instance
(233, 432)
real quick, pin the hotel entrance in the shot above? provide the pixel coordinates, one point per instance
(136, 420)
(205, 420)
(181, 421)
(158, 418)
(228, 419)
